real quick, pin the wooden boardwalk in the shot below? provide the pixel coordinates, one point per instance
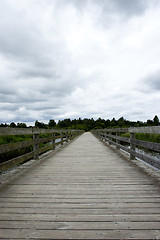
(85, 191)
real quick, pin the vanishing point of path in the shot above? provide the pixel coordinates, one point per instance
(84, 191)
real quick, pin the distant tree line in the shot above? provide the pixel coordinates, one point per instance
(14, 125)
(87, 124)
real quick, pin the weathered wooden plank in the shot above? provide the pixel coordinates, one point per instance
(123, 139)
(145, 144)
(15, 161)
(148, 145)
(107, 205)
(13, 146)
(148, 159)
(81, 211)
(85, 192)
(71, 199)
(134, 142)
(126, 149)
(86, 187)
(80, 225)
(81, 196)
(15, 131)
(79, 234)
(23, 131)
(71, 193)
(35, 142)
(56, 180)
(123, 130)
(152, 130)
(80, 217)
(45, 149)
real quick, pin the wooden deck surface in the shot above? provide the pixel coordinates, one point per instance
(85, 191)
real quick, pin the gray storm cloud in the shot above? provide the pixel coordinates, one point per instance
(71, 58)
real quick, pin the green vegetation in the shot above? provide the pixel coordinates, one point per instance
(14, 138)
(18, 138)
(88, 124)
(144, 137)
(13, 154)
(79, 124)
(148, 137)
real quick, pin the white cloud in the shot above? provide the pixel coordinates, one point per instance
(79, 59)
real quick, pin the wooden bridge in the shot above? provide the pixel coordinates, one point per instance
(83, 191)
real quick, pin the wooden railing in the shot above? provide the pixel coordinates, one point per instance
(132, 145)
(38, 144)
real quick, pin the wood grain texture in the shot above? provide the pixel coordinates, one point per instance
(85, 191)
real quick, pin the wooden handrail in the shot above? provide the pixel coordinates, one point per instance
(112, 137)
(50, 143)
(27, 131)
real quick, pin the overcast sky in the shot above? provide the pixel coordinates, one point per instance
(79, 58)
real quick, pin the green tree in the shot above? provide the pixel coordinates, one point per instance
(156, 120)
(40, 124)
(113, 122)
(21, 125)
(66, 123)
(150, 122)
(12, 125)
(52, 123)
(3, 125)
(107, 123)
(121, 122)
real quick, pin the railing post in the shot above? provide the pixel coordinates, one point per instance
(103, 138)
(53, 140)
(106, 138)
(132, 145)
(110, 138)
(71, 135)
(66, 133)
(101, 135)
(36, 145)
(62, 138)
(117, 141)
